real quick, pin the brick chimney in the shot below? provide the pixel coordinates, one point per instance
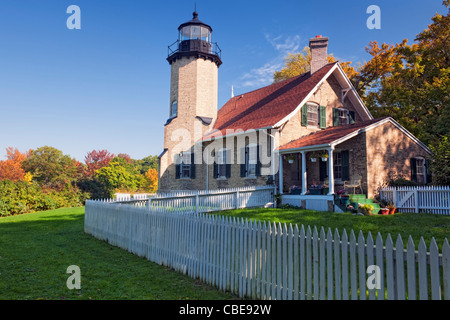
(318, 47)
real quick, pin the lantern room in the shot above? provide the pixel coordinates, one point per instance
(194, 38)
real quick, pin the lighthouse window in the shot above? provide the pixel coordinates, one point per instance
(195, 32)
(174, 109)
(205, 35)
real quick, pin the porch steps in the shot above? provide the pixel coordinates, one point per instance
(361, 198)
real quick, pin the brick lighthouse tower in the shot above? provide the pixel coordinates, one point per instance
(194, 61)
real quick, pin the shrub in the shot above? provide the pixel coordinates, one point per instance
(366, 209)
(22, 197)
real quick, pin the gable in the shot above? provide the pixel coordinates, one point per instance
(273, 105)
(266, 106)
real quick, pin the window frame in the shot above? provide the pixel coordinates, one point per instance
(315, 110)
(221, 163)
(337, 165)
(422, 172)
(345, 116)
(185, 165)
(248, 165)
(172, 113)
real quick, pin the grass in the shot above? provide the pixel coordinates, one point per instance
(405, 224)
(36, 250)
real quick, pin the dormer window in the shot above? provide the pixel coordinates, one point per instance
(174, 109)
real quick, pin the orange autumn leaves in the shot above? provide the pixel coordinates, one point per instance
(151, 179)
(11, 168)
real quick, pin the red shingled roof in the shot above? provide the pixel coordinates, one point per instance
(266, 106)
(328, 135)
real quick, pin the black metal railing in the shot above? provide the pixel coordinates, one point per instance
(194, 45)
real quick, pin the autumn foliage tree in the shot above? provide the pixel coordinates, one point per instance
(151, 180)
(411, 82)
(300, 62)
(50, 167)
(97, 159)
(11, 169)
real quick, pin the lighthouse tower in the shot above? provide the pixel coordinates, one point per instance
(194, 61)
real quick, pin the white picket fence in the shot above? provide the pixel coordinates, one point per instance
(203, 200)
(274, 261)
(427, 199)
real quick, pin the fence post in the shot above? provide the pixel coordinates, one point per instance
(416, 200)
(237, 199)
(197, 204)
(394, 196)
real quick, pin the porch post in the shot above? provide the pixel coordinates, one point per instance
(330, 171)
(304, 184)
(280, 175)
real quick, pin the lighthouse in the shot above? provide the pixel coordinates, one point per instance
(194, 62)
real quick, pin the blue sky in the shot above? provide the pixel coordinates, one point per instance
(106, 86)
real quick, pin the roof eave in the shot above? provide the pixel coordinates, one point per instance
(290, 115)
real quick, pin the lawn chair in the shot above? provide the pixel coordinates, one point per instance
(354, 182)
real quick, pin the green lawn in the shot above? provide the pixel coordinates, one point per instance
(405, 224)
(37, 248)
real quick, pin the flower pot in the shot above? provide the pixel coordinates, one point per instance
(313, 159)
(384, 211)
(291, 161)
(324, 158)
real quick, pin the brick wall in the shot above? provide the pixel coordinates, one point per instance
(388, 154)
(329, 95)
(193, 85)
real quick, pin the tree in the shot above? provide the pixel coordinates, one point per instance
(119, 176)
(412, 82)
(50, 167)
(299, 63)
(440, 162)
(147, 163)
(151, 180)
(11, 169)
(126, 157)
(96, 160)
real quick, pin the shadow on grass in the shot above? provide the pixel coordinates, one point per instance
(41, 246)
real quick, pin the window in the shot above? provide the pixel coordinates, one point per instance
(313, 115)
(337, 164)
(341, 165)
(418, 170)
(185, 165)
(343, 116)
(174, 109)
(250, 160)
(222, 167)
(251, 165)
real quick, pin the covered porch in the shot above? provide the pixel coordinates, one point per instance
(317, 169)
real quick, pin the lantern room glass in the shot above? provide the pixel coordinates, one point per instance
(195, 32)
